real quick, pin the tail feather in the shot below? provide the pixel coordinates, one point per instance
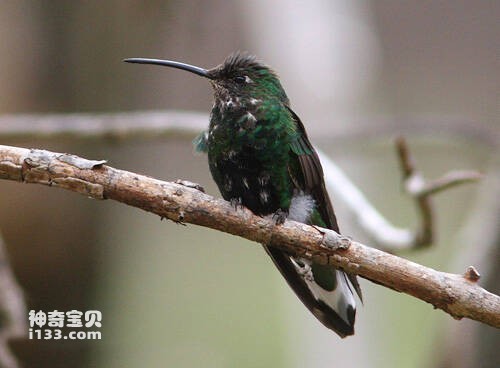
(333, 305)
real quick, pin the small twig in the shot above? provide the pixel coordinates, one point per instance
(471, 274)
(484, 253)
(377, 228)
(449, 180)
(13, 312)
(421, 191)
(384, 235)
(414, 182)
(451, 293)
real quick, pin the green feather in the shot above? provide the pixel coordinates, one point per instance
(200, 143)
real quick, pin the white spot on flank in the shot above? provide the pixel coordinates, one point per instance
(254, 101)
(250, 117)
(248, 79)
(264, 196)
(230, 103)
(263, 179)
(245, 183)
(301, 207)
(228, 184)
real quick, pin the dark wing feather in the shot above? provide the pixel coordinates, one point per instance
(315, 184)
(312, 172)
(334, 310)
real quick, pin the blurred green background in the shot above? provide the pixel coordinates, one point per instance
(357, 72)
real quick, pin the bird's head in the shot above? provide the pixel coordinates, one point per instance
(240, 76)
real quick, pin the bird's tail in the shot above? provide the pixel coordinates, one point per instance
(324, 290)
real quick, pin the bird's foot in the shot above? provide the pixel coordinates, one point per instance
(236, 203)
(280, 216)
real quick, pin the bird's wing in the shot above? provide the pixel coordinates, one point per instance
(313, 177)
(324, 290)
(314, 183)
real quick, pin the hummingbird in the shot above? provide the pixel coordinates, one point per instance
(260, 157)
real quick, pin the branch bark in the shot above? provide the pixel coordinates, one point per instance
(454, 294)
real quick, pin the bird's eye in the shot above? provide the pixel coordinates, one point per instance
(240, 79)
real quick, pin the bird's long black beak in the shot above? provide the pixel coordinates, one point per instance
(173, 64)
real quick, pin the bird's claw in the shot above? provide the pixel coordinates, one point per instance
(280, 216)
(236, 203)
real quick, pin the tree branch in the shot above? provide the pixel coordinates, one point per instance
(454, 294)
(138, 124)
(385, 235)
(160, 124)
(134, 124)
